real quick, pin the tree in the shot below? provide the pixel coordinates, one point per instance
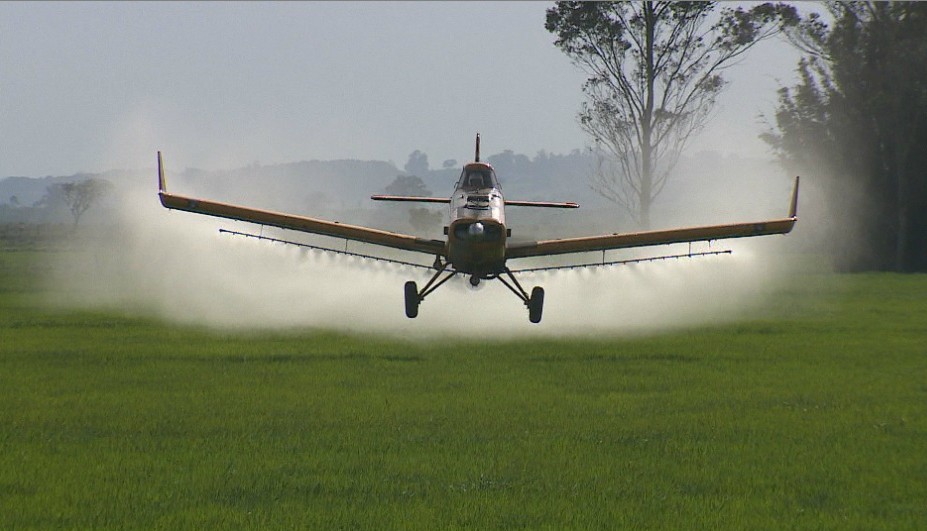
(408, 185)
(417, 164)
(508, 163)
(80, 196)
(421, 218)
(654, 74)
(856, 121)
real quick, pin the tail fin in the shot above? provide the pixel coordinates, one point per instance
(477, 159)
(793, 208)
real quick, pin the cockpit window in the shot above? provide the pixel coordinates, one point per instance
(474, 179)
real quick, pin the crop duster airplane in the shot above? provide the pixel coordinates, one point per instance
(477, 238)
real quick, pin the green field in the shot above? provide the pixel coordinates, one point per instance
(810, 415)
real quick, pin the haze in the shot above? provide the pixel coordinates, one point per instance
(89, 87)
(97, 86)
(178, 267)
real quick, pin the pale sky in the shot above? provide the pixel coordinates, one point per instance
(98, 86)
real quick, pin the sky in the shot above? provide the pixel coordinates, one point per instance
(88, 87)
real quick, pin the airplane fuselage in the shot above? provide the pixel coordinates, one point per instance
(476, 233)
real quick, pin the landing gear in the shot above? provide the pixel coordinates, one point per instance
(412, 299)
(535, 304)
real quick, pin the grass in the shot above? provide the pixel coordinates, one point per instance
(810, 416)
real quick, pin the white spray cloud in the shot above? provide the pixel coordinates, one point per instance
(177, 266)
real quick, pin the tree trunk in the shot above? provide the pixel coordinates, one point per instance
(646, 191)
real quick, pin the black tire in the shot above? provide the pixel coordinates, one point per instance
(412, 300)
(536, 304)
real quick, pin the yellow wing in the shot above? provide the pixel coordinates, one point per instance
(297, 223)
(410, 199)
(657, 237)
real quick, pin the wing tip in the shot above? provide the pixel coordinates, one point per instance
(793, 206)
(162, 186)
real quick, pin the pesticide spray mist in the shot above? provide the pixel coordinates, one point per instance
(177, 266)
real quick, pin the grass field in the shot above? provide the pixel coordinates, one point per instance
(811, 415)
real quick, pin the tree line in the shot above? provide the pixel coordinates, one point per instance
(62, 199)
(857, 121)
(854, 125)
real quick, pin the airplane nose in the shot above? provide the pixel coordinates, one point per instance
(476, 230)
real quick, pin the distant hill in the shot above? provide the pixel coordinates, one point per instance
(706, 187)
(294, 186)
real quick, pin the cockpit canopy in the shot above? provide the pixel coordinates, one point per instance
(477, 176)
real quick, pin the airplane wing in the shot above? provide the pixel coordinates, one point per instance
(410, 199)
(297, 223)
(546, 204)
(657, 237)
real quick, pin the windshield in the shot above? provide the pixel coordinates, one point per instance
(477, 178)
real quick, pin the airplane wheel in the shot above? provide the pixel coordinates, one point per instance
(536, 304)
(412, 299)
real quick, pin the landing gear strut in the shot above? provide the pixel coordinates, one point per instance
(414, 297)
(535, 302)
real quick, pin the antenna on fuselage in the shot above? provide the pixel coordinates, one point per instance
(477, 148)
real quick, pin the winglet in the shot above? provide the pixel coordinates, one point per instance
(793, 208)
(162, 187)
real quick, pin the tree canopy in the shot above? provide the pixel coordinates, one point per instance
(417, 163)
(655, 70)
(408, 185)
(856, 123)
(76, 197)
